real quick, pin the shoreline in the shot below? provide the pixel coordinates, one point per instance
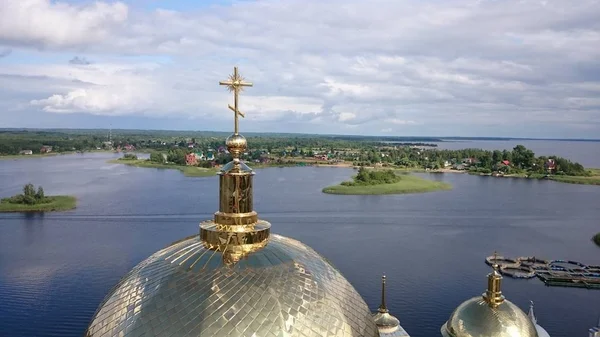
(51, 154)
(194, 171)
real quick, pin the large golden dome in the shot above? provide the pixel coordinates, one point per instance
(284, 289)
(235, 278)
(489, 315)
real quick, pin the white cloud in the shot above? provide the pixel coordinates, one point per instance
(55, 24)
(409, 63)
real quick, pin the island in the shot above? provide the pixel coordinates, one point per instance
(371, 181)
(596, 239)
(32, 201)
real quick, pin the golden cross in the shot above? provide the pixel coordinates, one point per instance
(235, 84)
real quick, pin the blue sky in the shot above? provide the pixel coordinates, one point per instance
(515, 68)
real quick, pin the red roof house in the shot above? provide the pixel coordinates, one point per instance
(190, 159)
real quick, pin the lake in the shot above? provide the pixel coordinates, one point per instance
(55, 268)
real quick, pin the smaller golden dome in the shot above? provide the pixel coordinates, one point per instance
(489, 315)
(236, 144)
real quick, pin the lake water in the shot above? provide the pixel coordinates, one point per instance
(57, 267)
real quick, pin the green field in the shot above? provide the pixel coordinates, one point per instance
(593, 180)
(188, 171)
(407, 184)
(55, 203)
(25, 156)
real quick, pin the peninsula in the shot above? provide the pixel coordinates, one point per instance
(385, 182)
(159, 162)
(32, 201)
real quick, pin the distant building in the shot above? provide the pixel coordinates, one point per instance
(550, 165)
(506, 162)
(46, 149)
(199, 155)
(26, 152)
(447, 164)
(470, 161)
(210, 156)
(190, 159)
(129, 147)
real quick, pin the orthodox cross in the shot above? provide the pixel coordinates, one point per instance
(235, 84)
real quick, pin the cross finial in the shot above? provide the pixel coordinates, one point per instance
(235, 84)
(495, 264)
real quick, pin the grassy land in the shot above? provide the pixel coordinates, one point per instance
(188, 171)
(56, 203)
(25, 156)
(407, 184)
(596, 239)
(593, 180)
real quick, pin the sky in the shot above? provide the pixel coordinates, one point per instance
(473, 68)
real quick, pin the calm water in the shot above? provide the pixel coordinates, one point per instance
(56, 268)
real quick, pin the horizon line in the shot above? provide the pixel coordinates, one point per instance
(318, 134)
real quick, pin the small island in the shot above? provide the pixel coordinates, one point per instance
(32, 201)
(596, 239)
(385, 182)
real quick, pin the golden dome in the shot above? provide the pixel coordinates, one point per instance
(489, 315)
(475, 318)
(284, 289)
(235, 278)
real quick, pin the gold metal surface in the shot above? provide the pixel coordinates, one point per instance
(235, 84)
(493, 295)
(489, 315)
(236, 230)
(235, 193)
(284, 289)
(388, 325)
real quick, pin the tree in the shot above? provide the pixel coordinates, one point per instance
(157, 157)
(496, 156)
(29, 194)
(522, 157)
(507, 155)
(486, 160)
(29, 190)
(40, 194)
(176, 156)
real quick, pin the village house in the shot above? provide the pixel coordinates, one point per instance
(26, 152)
(199, 155)
(550, 165)
(46, 149)
(190, 159)
(129, 147)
